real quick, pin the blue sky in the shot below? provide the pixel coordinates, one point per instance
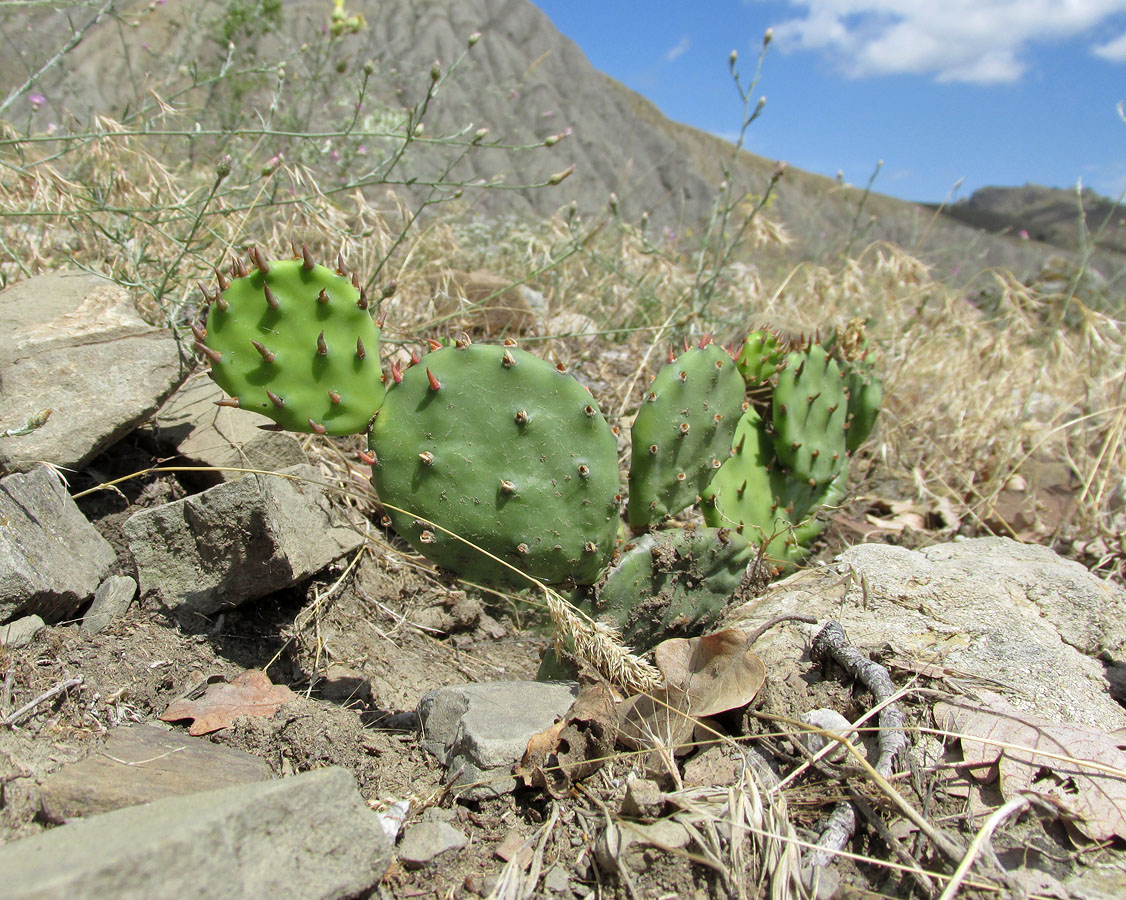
(986, 92)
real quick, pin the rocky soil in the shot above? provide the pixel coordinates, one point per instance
(223, 683)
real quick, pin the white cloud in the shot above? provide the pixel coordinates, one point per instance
(980, 41)
(1115, 50)
(679, 50)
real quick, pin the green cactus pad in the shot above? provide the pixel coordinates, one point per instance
(809, 412)
(754, 496)
(865, 396)
(673, 582)
(296, 344)
(502, 449)
(682, 433)
(761, 355)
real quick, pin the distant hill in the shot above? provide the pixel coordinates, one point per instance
(1050, 215)
(524, 81)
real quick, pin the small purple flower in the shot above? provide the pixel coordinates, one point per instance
(37, 100)
(1024, 234)
(335, 155)
(361, 150)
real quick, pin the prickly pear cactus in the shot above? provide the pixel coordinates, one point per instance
(682, 433)
(754, 496)
(672, 582)
(504, 450)
(865, 396)
(294, 341)
(809, 412)
(761, 355)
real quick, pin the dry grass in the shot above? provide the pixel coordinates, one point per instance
(973, 399)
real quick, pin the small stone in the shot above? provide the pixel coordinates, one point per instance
(238, 541)
(482, 730)
(556, 880)
(828, 720)
(425, 841)
(643, 800)
(111, 601)
(21, 632)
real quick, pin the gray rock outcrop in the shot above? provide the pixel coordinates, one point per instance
(1014, 616)
(76, 345)
(238, 541)
(51, 558)
(309, 837)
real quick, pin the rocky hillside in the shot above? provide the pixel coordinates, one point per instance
(524, 81)
(1050, 215)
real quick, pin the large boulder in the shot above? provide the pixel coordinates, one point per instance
(1038, 627)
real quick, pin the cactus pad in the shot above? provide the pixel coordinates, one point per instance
(672, 582)
(682, 433)
(809, 413)
(295, 342)
(761, 355)
(502, 449)
(752, 495)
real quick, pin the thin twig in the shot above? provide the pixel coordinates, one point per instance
(59, 688)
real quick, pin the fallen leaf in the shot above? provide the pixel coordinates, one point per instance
(717, 672)
(704, 676)
(250, 693)
(1093, 786)
(576, 746)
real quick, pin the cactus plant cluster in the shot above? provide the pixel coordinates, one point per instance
(492, 462)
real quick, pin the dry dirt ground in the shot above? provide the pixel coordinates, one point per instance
(389, 622)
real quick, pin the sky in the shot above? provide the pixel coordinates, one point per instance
(951, 95)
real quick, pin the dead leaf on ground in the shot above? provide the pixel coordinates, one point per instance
(1096, 794)
(576, 746)
(704, 676)
(250, 693)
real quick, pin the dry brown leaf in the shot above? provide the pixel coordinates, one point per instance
(250, 693)
(704, 676)
(1095, 793)
(717, 672)
(576, 746)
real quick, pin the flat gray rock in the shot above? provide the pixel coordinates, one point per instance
(111, 600)
(309, 837)
(425, 841)
(51, 558)
(208, 435)
(20, 632)
(483, 729)
(238, 541)
(1009, 617)
(142, 763)
(75, 344)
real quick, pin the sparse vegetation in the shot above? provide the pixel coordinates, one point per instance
(1004, 401)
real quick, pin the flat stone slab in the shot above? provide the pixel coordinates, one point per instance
(142, 763)
(1020, 618)
(51, 558)
(208, 435)
(424, 842)
(483, 729)
(238, 541)
(75, 344)
(309, 837)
